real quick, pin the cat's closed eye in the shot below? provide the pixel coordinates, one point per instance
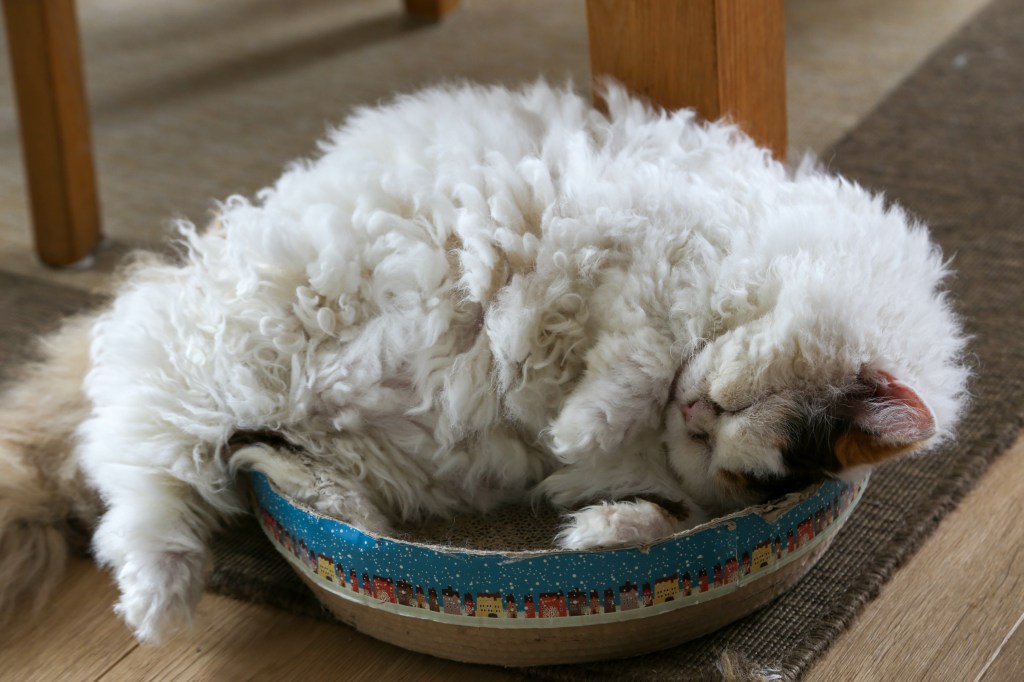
(700, 437)
(729, 407)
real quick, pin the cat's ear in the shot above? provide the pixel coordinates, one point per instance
(889, 419)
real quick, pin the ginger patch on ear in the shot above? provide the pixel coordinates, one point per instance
(857, 448)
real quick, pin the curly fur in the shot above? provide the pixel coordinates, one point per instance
(476, 294)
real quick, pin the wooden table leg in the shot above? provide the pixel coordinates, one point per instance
(431, 10)
(46, 61)
(720, 57)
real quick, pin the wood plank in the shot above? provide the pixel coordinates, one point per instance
(1008, 661)
(78, 637)
(947, 611)
(43, 40)
(236, 640)
(719, 57)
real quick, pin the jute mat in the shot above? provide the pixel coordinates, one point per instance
(28, 308)
(949, 145)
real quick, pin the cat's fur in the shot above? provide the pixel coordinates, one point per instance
(473, 295)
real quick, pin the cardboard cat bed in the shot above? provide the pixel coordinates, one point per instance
(455, 589)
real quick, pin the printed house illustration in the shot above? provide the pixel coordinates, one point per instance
(805, 532)
(270, 524)
(666, 589)
(489, 605)
(761, 556)
(579, 605)
(325, 567)
(452, 602)
(551, 605)
(609, 601)
(404, 593)
(732, 568)
(384, 589)
(629, 597)
(595, 602)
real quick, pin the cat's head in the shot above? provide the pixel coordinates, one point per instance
(827, 344)
(738, 439)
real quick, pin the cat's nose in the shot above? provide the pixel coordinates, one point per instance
(699, 410)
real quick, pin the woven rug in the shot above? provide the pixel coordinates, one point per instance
(949, 145)
(28, 308)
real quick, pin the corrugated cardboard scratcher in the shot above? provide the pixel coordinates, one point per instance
(447, 591)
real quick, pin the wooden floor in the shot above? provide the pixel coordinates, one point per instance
(923, 625)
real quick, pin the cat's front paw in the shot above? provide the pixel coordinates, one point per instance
(617, 524)
(159, 592)
(583, 428)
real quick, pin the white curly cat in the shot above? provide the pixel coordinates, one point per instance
(474, 295)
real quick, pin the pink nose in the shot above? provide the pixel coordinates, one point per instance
(701, 410)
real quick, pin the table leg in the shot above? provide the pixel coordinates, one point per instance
(49, 86)
(431, 10)
(720, 57)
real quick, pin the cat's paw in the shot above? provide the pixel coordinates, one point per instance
(583, 428)
(159, 592)
(617, 524)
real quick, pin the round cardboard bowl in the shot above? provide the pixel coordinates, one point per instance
(522, 608)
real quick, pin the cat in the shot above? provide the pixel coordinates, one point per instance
(479, 295)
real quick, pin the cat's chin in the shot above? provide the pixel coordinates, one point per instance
(689, 460)
(691, 463)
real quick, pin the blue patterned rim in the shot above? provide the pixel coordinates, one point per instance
(551, 588)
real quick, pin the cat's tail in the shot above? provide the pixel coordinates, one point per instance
(46, 510)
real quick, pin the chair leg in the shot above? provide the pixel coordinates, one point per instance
(431, 10)
(49, 87)
(720, 57)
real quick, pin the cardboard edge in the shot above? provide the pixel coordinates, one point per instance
(572, 644)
